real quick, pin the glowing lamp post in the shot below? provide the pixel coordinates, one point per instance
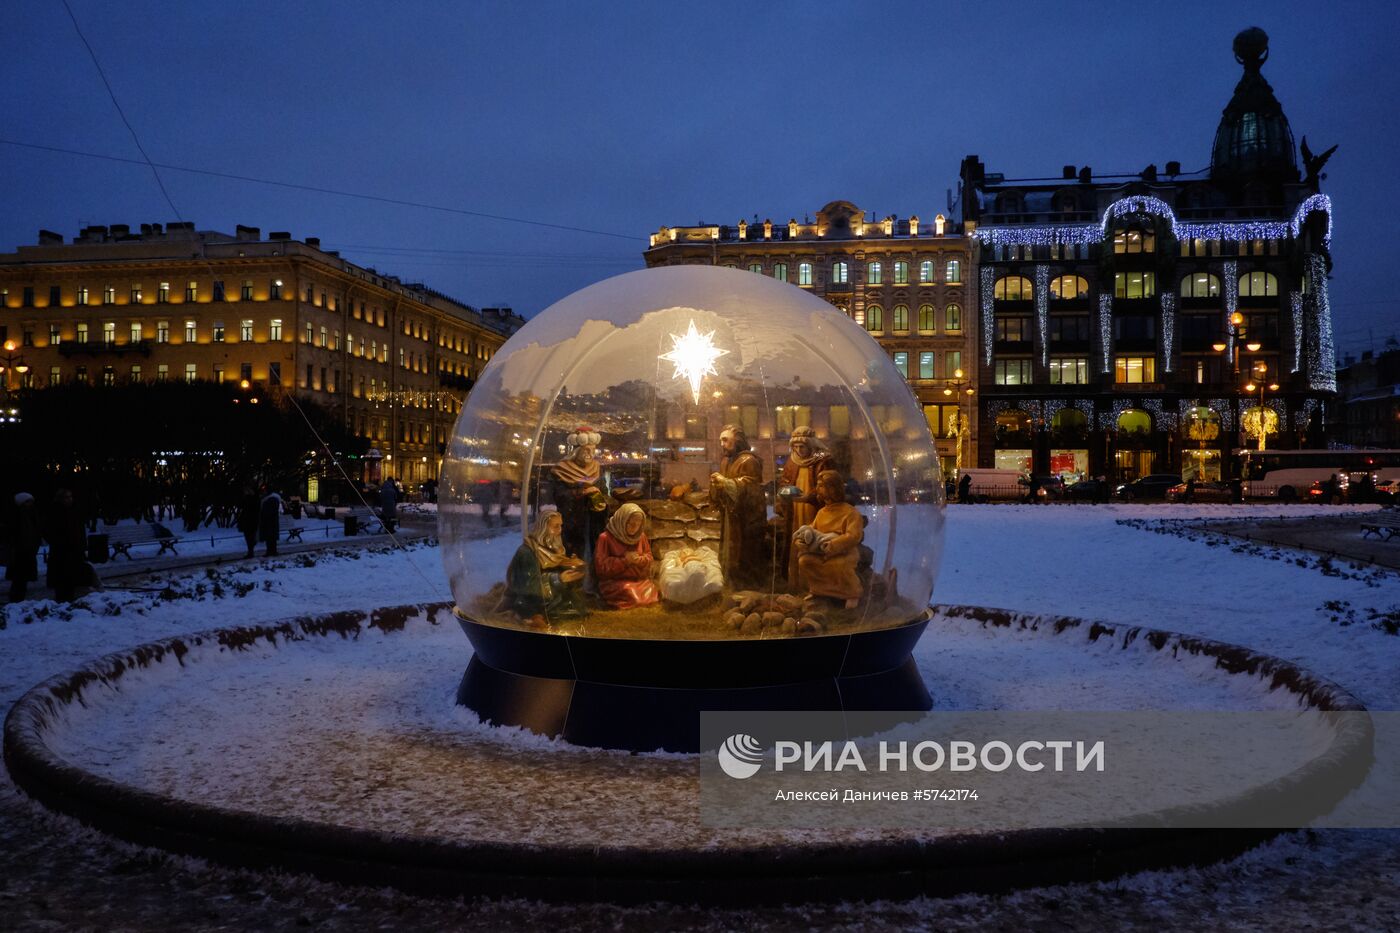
(1267, 419)
(963, 387)
(12, 362)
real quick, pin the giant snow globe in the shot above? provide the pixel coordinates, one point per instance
(682, 489)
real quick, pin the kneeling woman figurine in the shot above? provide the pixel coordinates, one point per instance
(828, 550)
(543, 583)
(622, 561)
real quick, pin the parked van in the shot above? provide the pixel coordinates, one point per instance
(989, 484)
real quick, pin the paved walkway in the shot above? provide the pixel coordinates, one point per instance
(1332, 535)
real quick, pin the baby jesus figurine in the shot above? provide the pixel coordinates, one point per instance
(828, 549)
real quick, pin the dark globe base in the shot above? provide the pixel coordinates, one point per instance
(640, 695)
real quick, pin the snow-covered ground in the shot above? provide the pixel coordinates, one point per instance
(1072, 561)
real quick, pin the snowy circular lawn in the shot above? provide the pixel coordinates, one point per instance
(364, 732)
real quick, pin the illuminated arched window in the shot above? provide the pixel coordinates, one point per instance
(1135, 421)
(1069, 286)
(926, 271)
(874, 274)
(901, 273)
(901, 318)
(840, 273)
(926, 324)
(1013, 288)
(952, 318)
(804, 273)
(1200, 285)
(875, 319)
(953, 273)
(1258, 285)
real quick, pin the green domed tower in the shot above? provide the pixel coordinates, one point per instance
(1254, 140)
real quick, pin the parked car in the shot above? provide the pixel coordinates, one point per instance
(1088, 490)
(1319, 492)
(1387, 490)
(1203, 492)
(1050, 487)
(1153, 486)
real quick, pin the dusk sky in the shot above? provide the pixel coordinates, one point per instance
(621, 117)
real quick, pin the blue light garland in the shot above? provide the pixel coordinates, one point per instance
(1295, 302)
(1106, 330)
(1168, 330)
(1231, 272)
(1322, 355)
(1042, 310)
(987, 280)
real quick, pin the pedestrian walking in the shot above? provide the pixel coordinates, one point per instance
(389, 504)
(249, 509)
(965, 487)
(269, 514)
(23, 566)
(66, 534)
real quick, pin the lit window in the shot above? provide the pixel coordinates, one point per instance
(926, 322)
(952, 318)
(82, 298)
(275, 291)
(218, 332)
(246, 292)
(780, 271)
(901, 318)
(55, 338)
(1258, 285)
(1069, 370)
(162, 332)
(191, 291)
(901, 362)
(163, 293)
(901, 273)
(191, 332)
(874, 274)
(1013, 288)
(162, 372)
(926, 271)
(274, 330)
(1134, 241)
(109, 375)
(136, 294)
(952, 363)
(840, 273)
(1016, 329)
(1012, 372)
(136, 372)
(109, 295)
(55, 376)
(245, 330)
(191, 372)
(1069, 286)
(804, 273)
(875, 319)
(1134, 369)
(756, 267)
(324, 341)
(926, 364)
(82, 333)
(953, 274)
(1200, 285)
(310, 333)
(109, 333)
(1134, 284)
(135, 332)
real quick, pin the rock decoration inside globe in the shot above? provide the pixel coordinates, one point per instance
(692, 453)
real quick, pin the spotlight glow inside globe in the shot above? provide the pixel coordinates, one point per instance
(691, 453)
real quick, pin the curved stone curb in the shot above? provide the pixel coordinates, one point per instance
(778, 873)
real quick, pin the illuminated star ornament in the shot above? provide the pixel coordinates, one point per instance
(694, 354)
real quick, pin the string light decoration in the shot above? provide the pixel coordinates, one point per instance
(1091, 233)
(1295, 302)
(1042, 310)
(1322, 355)
(1106, 330)
(1168, 330)
(1232, 304)
(987, 280)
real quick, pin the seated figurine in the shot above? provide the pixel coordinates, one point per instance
(544, 582)
(828, 550)
(622, 561)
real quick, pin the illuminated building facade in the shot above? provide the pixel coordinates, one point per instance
(904, 281)
(167, 303)
(1120, 319)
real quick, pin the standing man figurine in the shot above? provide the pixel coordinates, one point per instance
(806, 460)
(737, 489)
(578, 494)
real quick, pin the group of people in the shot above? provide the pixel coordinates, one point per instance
(817, 545)
(63, 528)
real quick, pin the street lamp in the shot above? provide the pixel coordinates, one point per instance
(1261, 372)
(12, 362)
(1235, 332)
(961, 386)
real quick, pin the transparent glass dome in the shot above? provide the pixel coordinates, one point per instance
(691, 453)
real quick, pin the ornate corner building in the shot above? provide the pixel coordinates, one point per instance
(169, 303)
(904, 281)
(1155, 322)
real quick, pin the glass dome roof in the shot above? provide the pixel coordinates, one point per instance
(691, 453)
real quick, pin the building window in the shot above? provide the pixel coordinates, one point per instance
(324, 338)
(1016, 329)
(80, 375)
(275, 290)
(780, 271)
(1200, 285)
(28, 300)
(1134, 369)
(191, 332)
(82, 297)
(926, 272)
(274, 330)
(1134, 284)
(191, 372)
(26, 338)
(901, 318)
(926, 369)
(55, 296)
(1135, 327)
(274, 373)
(162, 372)
(191, 291)
(246, 292)
(1012, 372)
(55, 337)
(109, 376)
(109, 332)
(163, 293)
(310, 333)
(55, 376)
(245, 330)
(1258, 285)
(135, 332)
(218, 333)
(952, 364)
(162, 332)
(136, 294)
(926, 323)
(1069, 286)
(1069, 327)
(1013, 288)
(109, 295)
(874, 274)
(804, 273)
(1069, 370)
(901, 362)
(307, 383)
(901, 273)
(840, 273)
(952, 319)
(953, 273)
(82, 333)
(135, 372)
(756, 267)
(875, 319)
(1134, 241)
